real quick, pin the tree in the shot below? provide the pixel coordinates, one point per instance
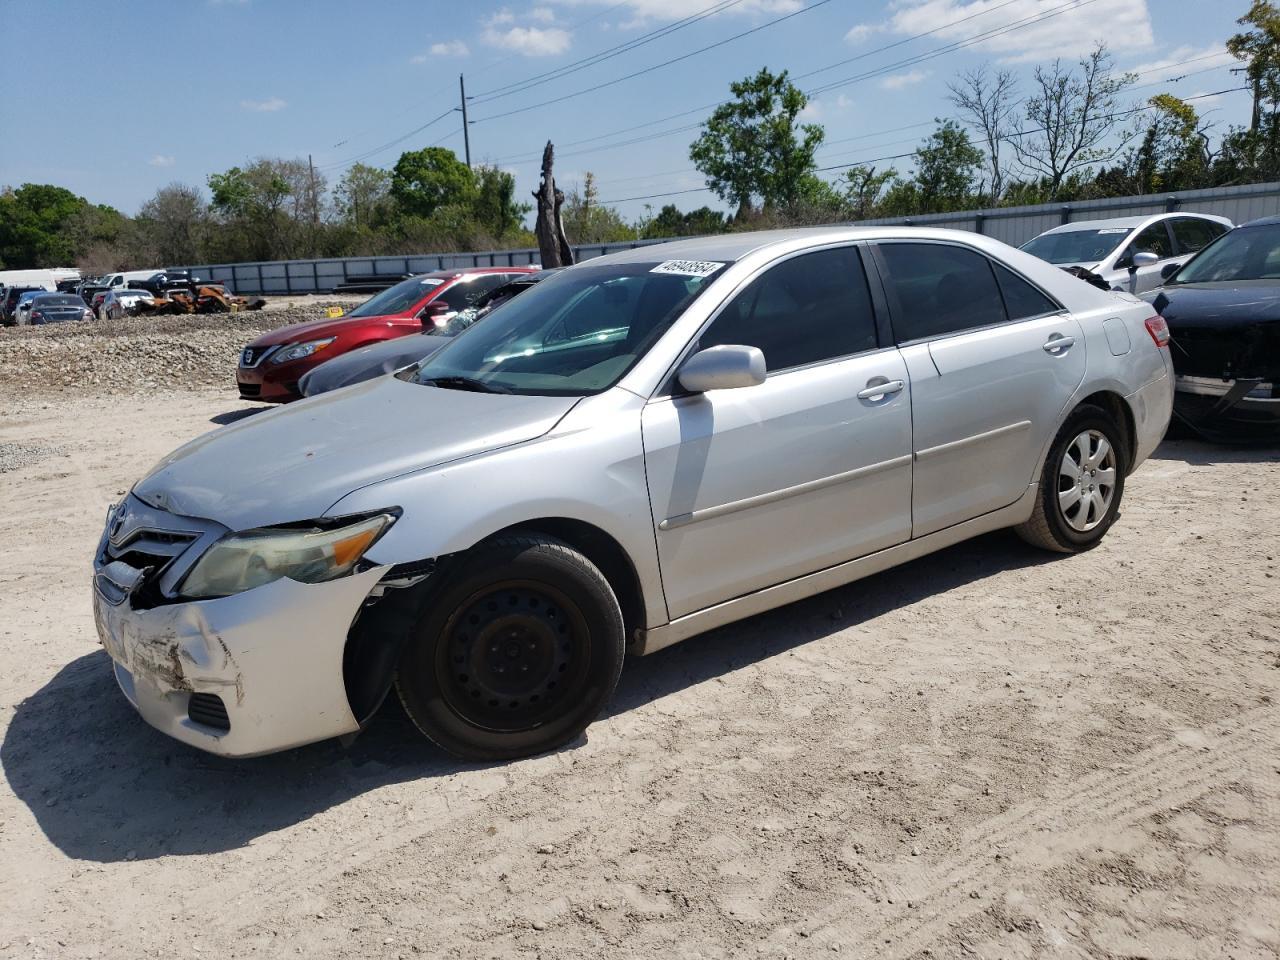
(752, 146)
(586, 221)
(1070, 118)
(363, 196)
(33, 226)
(253, 205)
(424, 180)
(172, 224)
(989, 101)
(864, 189)
(670, 222)
(495, 201)
(1260, 49)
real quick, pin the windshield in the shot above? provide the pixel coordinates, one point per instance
(1246, 253)
(58, 301)
(1077, 246)
(573, 334)
(397, 299)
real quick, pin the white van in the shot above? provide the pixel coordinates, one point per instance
(48, 279)
(113, 280)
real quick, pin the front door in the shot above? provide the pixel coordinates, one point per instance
(755, 486)
(993, 363)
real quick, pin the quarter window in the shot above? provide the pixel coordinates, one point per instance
(940, 289)
(1021, 299)
(807, 309)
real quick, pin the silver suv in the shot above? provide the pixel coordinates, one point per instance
(641, 448)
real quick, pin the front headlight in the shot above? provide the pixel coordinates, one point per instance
(251, 559)
(300, 350)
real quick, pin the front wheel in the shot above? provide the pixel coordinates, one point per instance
(1081, 486)
(517, 651)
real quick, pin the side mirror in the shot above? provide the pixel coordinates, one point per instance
(723, 368)
(1169, 269)
(1144, 258)
(433, 315)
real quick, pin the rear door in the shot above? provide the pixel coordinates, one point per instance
(758, 485)
(993, 361)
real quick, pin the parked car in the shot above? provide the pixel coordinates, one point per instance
(96, 303)
(1223, 311)
(163, 280)
(1129, 253)
(45, 308)
(271, 366)
(123, 301)
(389, 356)
(9, 306)
(643, 447)
(22, 311)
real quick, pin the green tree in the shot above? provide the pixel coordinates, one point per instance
(363, 196)
(495, 201)
(948, 166)
(864, 190)
(586, 221)
(753, 147)
(34, 226)
(171, 227)
(253, 206)
(1260, 49)
(424, 180)
(671, 222)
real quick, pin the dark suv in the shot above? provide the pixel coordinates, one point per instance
(11, 297)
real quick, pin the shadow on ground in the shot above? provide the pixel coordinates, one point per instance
(1201, 453)
(105, 787)
(231, 416)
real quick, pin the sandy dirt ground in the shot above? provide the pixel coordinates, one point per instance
(992, 752)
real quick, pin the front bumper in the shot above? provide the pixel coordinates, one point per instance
(272, 384)
(273, 655)
(1245, 410)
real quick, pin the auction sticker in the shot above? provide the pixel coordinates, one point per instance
(688, 268)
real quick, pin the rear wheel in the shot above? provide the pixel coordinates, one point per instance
(1081, 486)
(516, 653)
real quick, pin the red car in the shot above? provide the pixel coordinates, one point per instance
(271, 366)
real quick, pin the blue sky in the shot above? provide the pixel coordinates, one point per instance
(114, 100)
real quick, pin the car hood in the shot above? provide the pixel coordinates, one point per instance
(292, 463)
(369, 362)
(1221, 304)
(312, 330)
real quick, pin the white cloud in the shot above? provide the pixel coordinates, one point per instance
(270, 105)
(446, 48)
(811, 112)
(896, 81)
(529, 41)
(503, 16)
(1171, 63)
(160, 160)
(843, 102)
(1124, 25)
(860, 31)
(643, 11)
(542, 15)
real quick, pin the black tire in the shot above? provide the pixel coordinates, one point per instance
(515, 652)
(1050, 526)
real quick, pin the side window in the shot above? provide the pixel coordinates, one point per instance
(1193, 235)
(1154, 239)
(807, 309)
(1021, 299)
(464, 292)
(941, 289)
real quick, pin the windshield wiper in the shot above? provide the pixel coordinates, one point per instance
(466, 383)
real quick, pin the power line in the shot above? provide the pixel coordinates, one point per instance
(527, 83)
(389, 144)
(659, 66)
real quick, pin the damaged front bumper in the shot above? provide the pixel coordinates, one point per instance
(1243, 409)
(238, 676)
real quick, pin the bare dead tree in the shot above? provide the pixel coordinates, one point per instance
(1074, 119)
(553, 245)
(989, 101)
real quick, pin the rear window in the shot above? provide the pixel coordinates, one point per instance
(59, 300)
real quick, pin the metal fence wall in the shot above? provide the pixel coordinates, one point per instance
(1013, 225)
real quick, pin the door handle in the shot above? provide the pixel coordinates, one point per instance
(1058, 345)
(882, 389)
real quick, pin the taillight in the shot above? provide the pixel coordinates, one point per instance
(87, 315)
(1159, 330)
(37, 315)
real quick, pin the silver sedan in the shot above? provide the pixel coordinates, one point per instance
(639, 449)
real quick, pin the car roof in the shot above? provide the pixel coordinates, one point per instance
(1115, 223)
(1262, 222)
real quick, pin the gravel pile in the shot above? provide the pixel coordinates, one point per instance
(140, 354)
(14, 455)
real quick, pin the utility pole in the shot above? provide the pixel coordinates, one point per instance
(466, 133)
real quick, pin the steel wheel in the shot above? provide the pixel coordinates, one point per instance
(1086, 480)
(510, 654)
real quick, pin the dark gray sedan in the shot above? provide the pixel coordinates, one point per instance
(58, 308)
